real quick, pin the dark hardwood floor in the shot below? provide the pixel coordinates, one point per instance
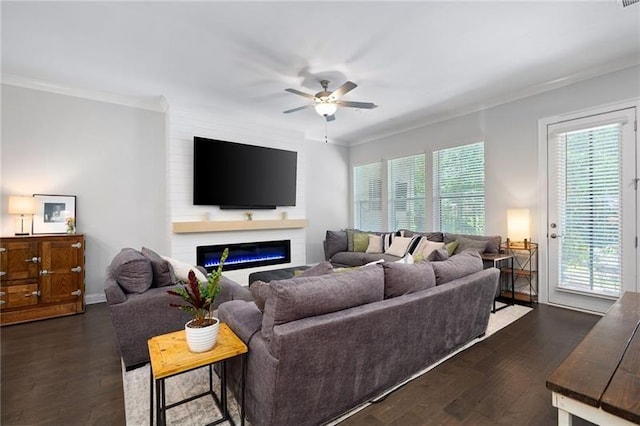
(62, 371)
(66, 371)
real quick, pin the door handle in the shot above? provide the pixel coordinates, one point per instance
(554, 235)
(76, 292)
(76, 269)
(45, 272)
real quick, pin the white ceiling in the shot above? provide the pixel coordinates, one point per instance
(419, 61)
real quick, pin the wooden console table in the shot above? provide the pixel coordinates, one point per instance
(599, 380)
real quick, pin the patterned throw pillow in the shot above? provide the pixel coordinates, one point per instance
(399, 246)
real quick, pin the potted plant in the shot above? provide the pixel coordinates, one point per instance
(202, 329)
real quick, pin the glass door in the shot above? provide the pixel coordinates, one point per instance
(591, 235)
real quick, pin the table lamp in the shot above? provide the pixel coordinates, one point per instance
(518, 226)
(21, 205)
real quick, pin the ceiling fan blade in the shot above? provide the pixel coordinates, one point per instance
(330, 117)
(342, 90)
(296, 109)
(363, 105)
(297, 92)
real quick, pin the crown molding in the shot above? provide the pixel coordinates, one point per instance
(154, 103)
(526, 92)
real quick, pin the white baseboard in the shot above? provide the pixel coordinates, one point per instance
(91, 299)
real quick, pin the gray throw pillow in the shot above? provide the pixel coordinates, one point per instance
(162, 273)
(493, 241)
(403, 278)
(260, 291)
(469, 244)
(132, 271)
(438, 255)
(457, 266)
(335, 242)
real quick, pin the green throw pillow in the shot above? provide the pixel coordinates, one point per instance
(360, 242)
(451, 247)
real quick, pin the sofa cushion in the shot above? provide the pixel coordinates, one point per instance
(469, 244)
(335, 241)
(457, 266)
(371, 257)
(260, 290)
(493, 241)
(162, 275)
(304, 297)
(402, 278)
(132, 271)
(350, 258)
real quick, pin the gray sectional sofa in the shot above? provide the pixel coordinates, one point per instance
(320, 346)
(339, 250)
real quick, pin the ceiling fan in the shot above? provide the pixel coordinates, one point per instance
(326, 103)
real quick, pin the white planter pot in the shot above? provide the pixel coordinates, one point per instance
(202, 339)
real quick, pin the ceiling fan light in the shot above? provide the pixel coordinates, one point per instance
(326, 109)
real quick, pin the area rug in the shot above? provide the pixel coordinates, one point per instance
(203, 410)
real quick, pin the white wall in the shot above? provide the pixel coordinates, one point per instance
(510, 133)
(321, 198)
(111, 157)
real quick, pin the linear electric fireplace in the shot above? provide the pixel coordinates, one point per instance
(244, 255)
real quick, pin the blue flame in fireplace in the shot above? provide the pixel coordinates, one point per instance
(238, 260)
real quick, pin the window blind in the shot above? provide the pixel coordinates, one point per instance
(458, 189)
(367, 180)
(589, 191)
(406, 182)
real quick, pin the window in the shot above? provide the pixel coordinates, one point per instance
(406, 177)
(589, 185)
(458, 189)
(367, 191)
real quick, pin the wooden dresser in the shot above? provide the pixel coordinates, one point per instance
(41, 276)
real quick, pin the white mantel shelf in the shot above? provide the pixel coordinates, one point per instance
(236, 225)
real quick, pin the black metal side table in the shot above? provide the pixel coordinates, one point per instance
(503, 262)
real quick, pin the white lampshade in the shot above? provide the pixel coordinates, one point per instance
(19, 204)
(326, 109)
(518, 224)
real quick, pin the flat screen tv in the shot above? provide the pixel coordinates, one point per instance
(238, 176)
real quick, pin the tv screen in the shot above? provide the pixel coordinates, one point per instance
(233, 175)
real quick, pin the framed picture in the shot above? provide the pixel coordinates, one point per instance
(51, 213)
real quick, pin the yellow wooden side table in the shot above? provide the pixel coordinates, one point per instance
(170, 356)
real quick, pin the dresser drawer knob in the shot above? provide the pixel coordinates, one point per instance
(76, 245)
(34, 259)
(2, 249)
